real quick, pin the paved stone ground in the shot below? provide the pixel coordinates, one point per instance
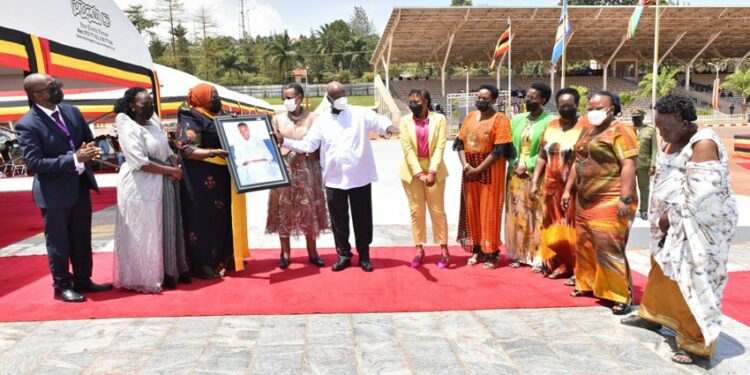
(558, 341)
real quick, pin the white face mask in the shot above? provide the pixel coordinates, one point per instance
(340, 103)
(290, 104)
(597, 117)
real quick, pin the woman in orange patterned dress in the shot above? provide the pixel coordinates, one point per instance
(556, 153)
(604, 177)
(484, 145)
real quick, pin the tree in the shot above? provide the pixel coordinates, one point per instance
(205, 21)
(583, 92)
(626, 98)
(665, 83)
(360, 24)
(739, 83)
(157, 47)
(617, 2)
(182, 45)
(282, 54)
(170, 11)
(460, 3)
(332, 39)
(136, 15)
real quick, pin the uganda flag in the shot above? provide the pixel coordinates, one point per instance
(503, 44)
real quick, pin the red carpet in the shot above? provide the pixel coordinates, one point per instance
(26, 292)
(736, 302)
(744, 165)
(21, 218)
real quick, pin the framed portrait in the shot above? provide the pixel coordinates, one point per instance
(254, 159)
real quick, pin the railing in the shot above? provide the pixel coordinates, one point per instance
(722, 119)
(384, 103)
(316, 90)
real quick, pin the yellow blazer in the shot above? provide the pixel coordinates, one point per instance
(437, 137)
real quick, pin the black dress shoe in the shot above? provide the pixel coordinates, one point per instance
(365, 265)
(168, 282)
(68, 295)
(317, 262)
(90, 286)
(341, 264)
(185, 278)
(283, 263)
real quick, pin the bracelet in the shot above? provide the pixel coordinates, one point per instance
(211, 153)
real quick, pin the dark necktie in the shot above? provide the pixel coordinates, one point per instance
(61, 125)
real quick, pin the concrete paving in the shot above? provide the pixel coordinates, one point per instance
(558, 341)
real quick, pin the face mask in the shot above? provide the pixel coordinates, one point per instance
(147, 111)
(531, 105)
(482, 105)
(637, 120)
(55, 94)
(415, 108)
(597, 117)
(340, 103)
(290, 104)
(215, 105)
(568, 112)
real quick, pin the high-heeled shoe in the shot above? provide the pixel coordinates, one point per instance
(417, 261)
(283, 261)
(316, 261)
(445, 258)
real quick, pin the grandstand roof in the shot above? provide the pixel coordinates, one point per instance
(421, 35)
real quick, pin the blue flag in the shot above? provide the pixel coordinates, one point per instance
(563, 29)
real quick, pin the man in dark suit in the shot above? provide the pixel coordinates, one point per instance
(56, 143)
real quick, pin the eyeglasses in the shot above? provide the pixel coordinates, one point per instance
(53, 84)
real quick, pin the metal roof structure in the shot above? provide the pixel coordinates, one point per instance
(469, 34)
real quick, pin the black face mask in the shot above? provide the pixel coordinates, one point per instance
(147, 111)
(638, 120)
(531, 105)
(482, 105)
(55, 94)
(415, 108)
(215, 105)
(568, 112)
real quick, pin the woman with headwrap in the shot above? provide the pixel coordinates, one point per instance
(213, 214)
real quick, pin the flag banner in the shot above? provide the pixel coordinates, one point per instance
(563, 29)
(715, 95)
(503, 44)
(636, 17)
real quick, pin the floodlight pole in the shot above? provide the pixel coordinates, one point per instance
(510, 66)
(655, 70)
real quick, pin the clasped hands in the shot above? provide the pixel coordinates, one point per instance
(428, 178)
(88, 152)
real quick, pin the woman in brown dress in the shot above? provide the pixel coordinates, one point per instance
(299, 209)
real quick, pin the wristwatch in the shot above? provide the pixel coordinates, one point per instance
(626, 200)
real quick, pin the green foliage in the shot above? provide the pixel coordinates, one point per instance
(626, 98)
(704, 111)
(136, 15)
(583, 91)
(461, 3)
(283, 56)
(665, 83)
(738, 82)
(367, 77)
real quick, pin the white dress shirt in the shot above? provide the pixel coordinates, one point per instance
(80, 167)
(346, 156)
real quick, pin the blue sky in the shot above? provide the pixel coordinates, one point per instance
(300, 16)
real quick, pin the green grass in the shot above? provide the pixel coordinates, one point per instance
(353, 100)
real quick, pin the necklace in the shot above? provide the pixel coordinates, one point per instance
(294, 118)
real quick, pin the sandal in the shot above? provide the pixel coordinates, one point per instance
(476, 258)
(417, 261)
(682, 357)
(515, 264)
(620, 308)
(571, 281)
(581, 293)
(536, 269)
(491, 263)
(637, 321)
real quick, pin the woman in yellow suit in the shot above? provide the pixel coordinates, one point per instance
(423, 173)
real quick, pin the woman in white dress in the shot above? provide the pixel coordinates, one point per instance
(149, 250)
(693, 217)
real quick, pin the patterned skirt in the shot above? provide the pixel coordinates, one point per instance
(299, 209)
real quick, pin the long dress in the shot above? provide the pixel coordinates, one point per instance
(557, 232)
(480, 215)
(205, 196)
(523, 212)
(601, 265)
(299, 209)
(138, 255)
(689, 271)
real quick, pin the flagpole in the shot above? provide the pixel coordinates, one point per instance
(655, 72)
(510, 69)
(562, 72)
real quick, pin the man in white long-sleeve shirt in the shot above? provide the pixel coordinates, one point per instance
(348, 167)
